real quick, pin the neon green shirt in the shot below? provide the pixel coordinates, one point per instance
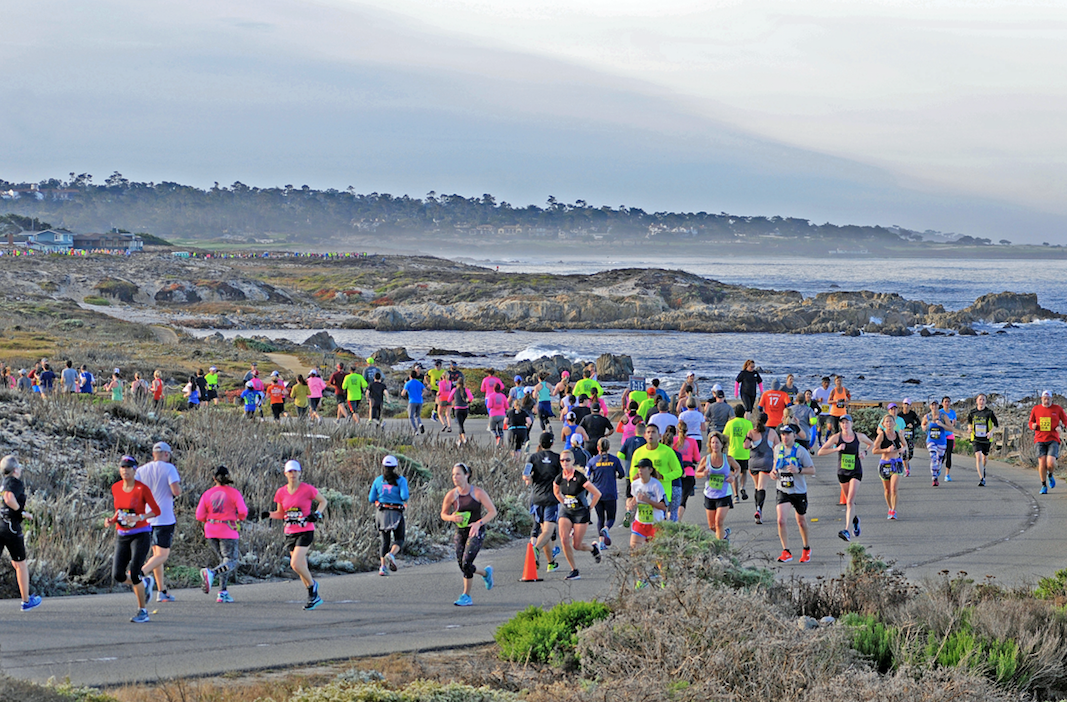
(736, 430)
(354, 384)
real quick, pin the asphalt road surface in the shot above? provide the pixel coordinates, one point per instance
(1005, 530)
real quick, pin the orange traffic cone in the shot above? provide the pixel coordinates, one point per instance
(844, 497)
(529, 570)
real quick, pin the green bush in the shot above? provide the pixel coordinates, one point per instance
(96, 300)
(999, 659)
(1052, 588)
(418, 691)
(695, 550)
(534, 635)
(873, 639)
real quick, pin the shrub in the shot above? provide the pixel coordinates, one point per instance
(694, 551)
(873, 639)
(417, 691)
(534, 635)
(96, 300)
(1052, 588)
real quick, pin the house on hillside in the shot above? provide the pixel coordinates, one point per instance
(47, 241)
(110, 241)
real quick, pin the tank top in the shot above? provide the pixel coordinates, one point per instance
(629, 427)
(935, 434)
(545, 393)
(472, 508)
(848, 461)
(760, 456)
(886, 443)
(717, 486)
(567, 441)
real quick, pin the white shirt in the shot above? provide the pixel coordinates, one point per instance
(159, 476)
(662, 420)
(693, 419)
(822, 396)
(654, 490)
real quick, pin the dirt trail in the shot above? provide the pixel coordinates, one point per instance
(164, 335)
(288, 362)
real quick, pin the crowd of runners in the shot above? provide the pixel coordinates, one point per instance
(659, 446)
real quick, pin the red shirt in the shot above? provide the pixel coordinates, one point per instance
(134, 502)
(157, 389)
(336, 380)
(1045, 421)
(773, 403)
(296, 506)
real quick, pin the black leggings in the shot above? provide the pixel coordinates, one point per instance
(131, 550)
(396, 535)
(467, 547)
(749, 401)
(461, 418)
(605, 513)
(949, 445)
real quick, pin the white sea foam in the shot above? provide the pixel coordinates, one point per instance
(536, 351)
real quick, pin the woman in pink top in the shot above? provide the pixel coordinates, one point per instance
(687, 446)
(460, 399)
(220, 509)
(315, 387)
(300, 505)
(497, 405)
(444, 403)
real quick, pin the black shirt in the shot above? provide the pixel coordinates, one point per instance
(13, 516)
(749, 381)
(545, 467)
(596, 427)
(573, 490)
(377, 392)
(517, 419)
(201, 382)
(580, 413)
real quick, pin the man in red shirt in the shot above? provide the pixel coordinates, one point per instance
(1045, 420)
(336, 381)
(774, 402)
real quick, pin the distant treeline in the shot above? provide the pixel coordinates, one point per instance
(302, 214)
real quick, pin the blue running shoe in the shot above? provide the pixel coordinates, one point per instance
(1051, 481)
(555, 552)
(488, 577)
(313, 603)
(141, 617)
(464, 601)
(1044, 489)
(948, 478)
(32, 603)
(856, 526)
(149, 587)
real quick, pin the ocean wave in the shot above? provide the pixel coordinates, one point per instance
(536, 351)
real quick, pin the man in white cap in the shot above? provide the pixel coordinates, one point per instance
(162, 479)
(1045, 421)
(12, 502)
(718, 410)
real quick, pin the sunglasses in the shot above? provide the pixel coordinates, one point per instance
(566, 460)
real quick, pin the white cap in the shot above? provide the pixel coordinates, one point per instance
(117, 370)
(274, 373)
(161, 447)
(212, 368)
(9, 464)
(292, 466)
(716, 387)
(390, 461)
(1046, 393)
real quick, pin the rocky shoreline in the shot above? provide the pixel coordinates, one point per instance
(415, 293)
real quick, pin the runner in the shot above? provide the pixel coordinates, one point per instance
(461, 399)
(792, 466)
(540, 473)
(889, 446)
(69, 378)
(1045, 420)
(47, 379)
(496, 404)
(191, 392)
(596, 426)
(773, 404)
(981, 420)
(139, 388)
(678, 438)
(718, 470)
(625, 455)
(760, 442)
(604, 470)
(443, 410)
(822, 396)
(372, 368)
(389, 495)
(663, 418)
(839, 399)
(790, 389)
(433, 383)
(543, 390)
(315, 387)
(806, 414)
(718, 411)
(911, 423)
(337, 381)
(253, 371)
(377, 392)
(519, 424)
(649, 503)
(413, 390)
(12, 504)
(576, 495)
(570, 429)
(695, 424)
(212, 380)
(587, 384)
(301, 506)
(114, 386)
(470, 509)
(201, 384)
(454, 373)
(251, 400)
(737, 431)
(300, 392)
(666, 464)
(627, 426)
(352, 387)
(851, 447)
(950, 440)
(936, 426)
(746, 384)
(221, 509)
(277, 393)
(85, 381)
(162, 479)
(133, 505)
(157, 389)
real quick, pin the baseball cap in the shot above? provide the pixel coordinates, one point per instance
(292, 466)
(128, 462)
(720, 393)
(370, 360)
(117, 370)
(274, 374)
(645, 463)
(716, 388)
(786, 429)
(313, 371)
(9, 464)
(892, 405)
(437, 362)
(906, 401)
(518, 378)
(572, 415)
(390, 462)
(248, 384)
(1046, 393)
(212, 368)
(161, 447)
(577, 440)
(565, 374)
(846, 418)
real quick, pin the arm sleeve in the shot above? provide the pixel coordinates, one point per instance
(737, 388)
(201, 509)
(242, 508)
(372, 497)
(404, 493)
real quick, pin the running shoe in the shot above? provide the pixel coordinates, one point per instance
(208, 580)
(844, 535)
(805, 555)
(892, 514)
(856, 525)
(555, 552)
(422, 428)
(786, 556)
(744, 495)
(165, 597)
(1044, 489)
(907, 471)
(759, 517)
(433, 417)
(313, 603)
(638, 584)
(627, 518)
(488, 577)
(1051, 480)
(382, 570)
(573, 575)
(149, 587)
(596, 553)
(935, 482)
(464, 601)
(552, 566)
(605, 536)
(32, 603)
(390, 561)
(141, 617)
(948, 478)
(224, 598)
(981, 483)
(726, 534)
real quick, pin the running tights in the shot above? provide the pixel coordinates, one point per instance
(467, 547)
(131, 550)
(226, 550)
(605, 513)
(396, 535)
(937, 455)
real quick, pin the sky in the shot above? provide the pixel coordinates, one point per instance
(942, 115)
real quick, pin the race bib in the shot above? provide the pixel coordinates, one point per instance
(571, 502)
(293, 515)
(980, 431)
(644, 513)
(824, 408)
(848, 461)
(1044, 423)
(465, 519)
(785, 481)
(126, 517)
(909, 434)
(935, 432)
(716, 481)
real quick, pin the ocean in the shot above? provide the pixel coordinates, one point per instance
(1017, 364)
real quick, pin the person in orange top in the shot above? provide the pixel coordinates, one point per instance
(1045, 421)
(774, 402)
(839, 399)
(277, 393)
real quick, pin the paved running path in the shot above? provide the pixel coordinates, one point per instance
(1005, 530)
